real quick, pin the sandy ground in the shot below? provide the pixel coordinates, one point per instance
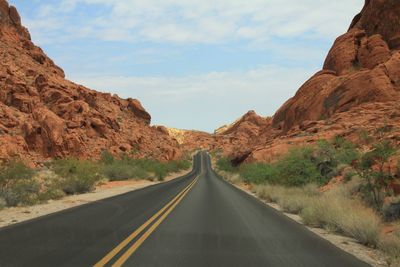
(9, 216)
(371, 256)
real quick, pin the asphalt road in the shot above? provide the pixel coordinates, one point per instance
(195, 220)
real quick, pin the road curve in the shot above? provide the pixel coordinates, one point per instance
(195, 220)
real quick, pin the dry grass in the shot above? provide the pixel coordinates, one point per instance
(233, 178)
(390, 244)
(334, 211)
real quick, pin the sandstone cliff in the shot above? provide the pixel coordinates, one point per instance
(43, 115)
(363, 66)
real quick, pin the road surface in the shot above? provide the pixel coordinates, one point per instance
(196, 220)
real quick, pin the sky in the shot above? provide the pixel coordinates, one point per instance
(193, 64)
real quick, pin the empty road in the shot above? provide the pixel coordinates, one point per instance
(196, 220)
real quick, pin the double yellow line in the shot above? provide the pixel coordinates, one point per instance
(164, 212)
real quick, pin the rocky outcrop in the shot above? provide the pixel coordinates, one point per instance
(43, 115)
(357, 92)
(362, 67)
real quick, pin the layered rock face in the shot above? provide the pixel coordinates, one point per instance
(43, 115)
(363, 66)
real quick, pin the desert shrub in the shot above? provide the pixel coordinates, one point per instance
(77, 176)
(331, 157)
(300, 166)
(15, 170)
(345, 151)
(259, 173)
(376, 177)
(224, 164)
(129, 168)
(17, 186)
(22, 192)
(182, 164)
(50, 186)
(297, 168)
(120, 170)
(160, 171)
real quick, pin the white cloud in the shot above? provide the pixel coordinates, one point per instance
(201, 21)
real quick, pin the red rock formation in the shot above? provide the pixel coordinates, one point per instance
(362, 67)
(43, 115)
(357, 91)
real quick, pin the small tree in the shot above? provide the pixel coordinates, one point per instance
(372, 169)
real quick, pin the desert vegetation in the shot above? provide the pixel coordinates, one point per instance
(336, 185)
(21, 185)
(302, 165)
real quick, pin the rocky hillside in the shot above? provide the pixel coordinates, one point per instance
(363, 66)
(43, 115)
(356, 93)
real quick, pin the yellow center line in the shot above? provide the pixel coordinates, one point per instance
(123, 244)
(143, 238)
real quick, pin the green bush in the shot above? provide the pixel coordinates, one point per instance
(259, 173)
(128, 168)
(123, 171)
(77, 176)
(346, 152)
(329, 157)
(21, 185)
(302, 165)
(224, 164)
(297, 168)
(376, 180)
(15, 170)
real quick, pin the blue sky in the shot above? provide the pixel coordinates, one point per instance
(194, 64)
